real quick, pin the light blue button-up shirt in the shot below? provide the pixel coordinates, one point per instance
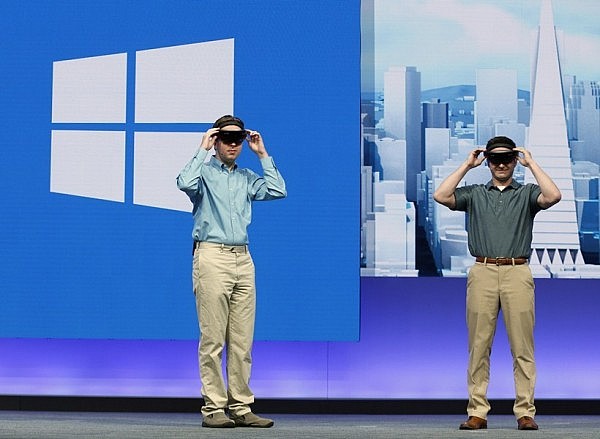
(223, 199)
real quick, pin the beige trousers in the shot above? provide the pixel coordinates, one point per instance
(223, 280)
(489, 289)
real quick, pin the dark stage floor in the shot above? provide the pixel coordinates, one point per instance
(28, 424)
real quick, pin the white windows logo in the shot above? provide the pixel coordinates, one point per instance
(123, 127)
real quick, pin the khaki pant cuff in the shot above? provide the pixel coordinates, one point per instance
(479, 415)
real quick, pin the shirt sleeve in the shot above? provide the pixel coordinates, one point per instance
(188, 179)
(534, 194)
(271, 185)
(462, 197)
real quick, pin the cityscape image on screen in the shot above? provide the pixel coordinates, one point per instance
(413, 136)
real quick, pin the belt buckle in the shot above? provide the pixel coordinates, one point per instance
(501, 261)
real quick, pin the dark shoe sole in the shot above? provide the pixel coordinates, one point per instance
(255, 426)
(204, 424)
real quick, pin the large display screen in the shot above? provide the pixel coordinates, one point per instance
(105, 102)
(365, 107)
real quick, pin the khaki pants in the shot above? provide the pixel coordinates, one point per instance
(223, 280)
(489, 289)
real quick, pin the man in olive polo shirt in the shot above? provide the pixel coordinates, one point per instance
(501, 215)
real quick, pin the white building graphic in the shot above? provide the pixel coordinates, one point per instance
(556, 245)
(555, 233)
(122, 125)
(402, 107)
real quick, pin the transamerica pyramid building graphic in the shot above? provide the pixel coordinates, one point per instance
(556, 248)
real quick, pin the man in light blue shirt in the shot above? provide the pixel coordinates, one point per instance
(223, 270)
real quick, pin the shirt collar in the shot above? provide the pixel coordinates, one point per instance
(513, 184)
(215, 162)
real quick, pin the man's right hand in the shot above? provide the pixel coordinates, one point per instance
(475, 157)
(209, 138)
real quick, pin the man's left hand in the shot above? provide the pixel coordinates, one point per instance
(256, 144)
(525, 159)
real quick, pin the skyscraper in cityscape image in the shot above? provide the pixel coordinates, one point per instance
(555, 243)
(402, 106)
(558, 120)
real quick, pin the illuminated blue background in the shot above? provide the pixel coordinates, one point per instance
(413, 345)
(75, 268)
(84, 268)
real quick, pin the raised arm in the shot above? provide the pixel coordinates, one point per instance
(188, 178)
(444, 194)
(272, 185)
(550, 193)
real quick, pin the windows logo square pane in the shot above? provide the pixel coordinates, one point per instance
(191, 83)
(90, 89)
(88, 164)
(158, 159)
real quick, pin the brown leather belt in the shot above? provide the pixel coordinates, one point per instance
(223, 247)
(501, 261)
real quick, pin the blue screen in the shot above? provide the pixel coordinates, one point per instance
(81, 266)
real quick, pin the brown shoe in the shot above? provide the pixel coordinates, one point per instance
(526, 423)
(474, 423)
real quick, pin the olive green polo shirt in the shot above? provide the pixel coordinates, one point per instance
(500, 223)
